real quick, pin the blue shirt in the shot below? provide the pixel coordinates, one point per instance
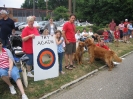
(60, 48)
(6, 28)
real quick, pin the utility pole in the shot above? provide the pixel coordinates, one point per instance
(33, 7)
(74, 6)
(46, 7)
(70, 6)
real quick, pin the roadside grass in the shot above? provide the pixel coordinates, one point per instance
(37, 89)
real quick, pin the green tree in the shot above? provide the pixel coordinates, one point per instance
(60, 12)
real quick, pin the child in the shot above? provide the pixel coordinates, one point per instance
(78, 37)
(45, 32)
(125, 33)
(106, 35)
(117, 36)
(59, 41)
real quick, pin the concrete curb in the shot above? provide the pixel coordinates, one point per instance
(79, 79)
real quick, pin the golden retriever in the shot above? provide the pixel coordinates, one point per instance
(79, 53)
(101, 53)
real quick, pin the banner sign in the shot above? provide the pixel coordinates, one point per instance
(45, 57)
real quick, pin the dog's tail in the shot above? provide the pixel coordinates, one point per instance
(116, 58)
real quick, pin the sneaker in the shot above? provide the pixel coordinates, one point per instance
(24, 96)
(62, 72)
(29, 74)
(12, 90)
(116, 63)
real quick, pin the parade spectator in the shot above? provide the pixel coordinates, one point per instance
(7, 27)
(85, 35)
(51, 27)
(7, 70)
(45, 32)
(112, 27)
(117, 36)
(121, 27)
(59, 41)
(69, 31)
(106, 36)
(103, 45)
(78, 37)
(28, 34)
(130, 28)
(90, 32)
(125, 33)
(126, 22)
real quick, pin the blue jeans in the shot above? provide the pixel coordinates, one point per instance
(60, 58)
(30, 61)
(14, 73)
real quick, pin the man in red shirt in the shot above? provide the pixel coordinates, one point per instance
(69, 37)
(112, 27)
(103, 45)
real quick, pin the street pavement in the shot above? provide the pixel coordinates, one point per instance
(115, 84)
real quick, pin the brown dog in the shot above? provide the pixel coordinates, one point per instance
(98, 52)
(79, 53)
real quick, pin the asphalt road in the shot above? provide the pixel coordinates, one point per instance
(115, 84)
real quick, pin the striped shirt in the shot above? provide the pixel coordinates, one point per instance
(4, 59)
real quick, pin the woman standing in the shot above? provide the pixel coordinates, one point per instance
(28, 34)
(7, 70)
(121, 27)
(51, 27)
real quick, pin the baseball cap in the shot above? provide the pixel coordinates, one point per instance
(3, 12)
(126, 19)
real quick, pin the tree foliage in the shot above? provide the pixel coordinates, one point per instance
(99, 12)
(61, 13)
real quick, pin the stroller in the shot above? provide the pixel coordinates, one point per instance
(15, 46)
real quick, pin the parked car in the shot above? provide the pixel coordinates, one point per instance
(17, 24)
(42, 24)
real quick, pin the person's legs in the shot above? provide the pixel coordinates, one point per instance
(68, 51)
(16, 77)
(60, 55)
(71, 55)
(29, 65)
(6, 79)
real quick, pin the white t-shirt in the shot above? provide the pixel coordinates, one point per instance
(83, 34)
(77, 36)
(52, 29)
(90, 34)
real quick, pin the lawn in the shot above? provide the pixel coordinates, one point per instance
(37, 89)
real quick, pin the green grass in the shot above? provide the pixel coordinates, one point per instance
(39, 88)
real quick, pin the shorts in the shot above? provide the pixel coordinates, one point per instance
(14, 73)
(129, 32)
(125, 34)
(70, 48)
(30, 61)
(106, 41)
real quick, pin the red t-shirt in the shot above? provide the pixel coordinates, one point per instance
(126, 23)
(117, 34)
(112, 26)
(27, 45)
(69, 29)
(125, 30)
(105, 34)
(104, 46)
